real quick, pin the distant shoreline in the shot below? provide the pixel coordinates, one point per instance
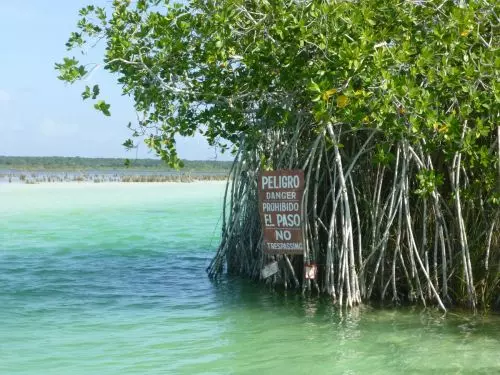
(79, 164)
(89, 184)
(57, 169)
(113, 176)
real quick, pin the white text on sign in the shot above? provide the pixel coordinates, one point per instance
(280, 201)
(280, 182)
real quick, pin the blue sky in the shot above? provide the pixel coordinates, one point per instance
(42, 116)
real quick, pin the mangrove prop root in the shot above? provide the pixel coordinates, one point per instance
(365, 227)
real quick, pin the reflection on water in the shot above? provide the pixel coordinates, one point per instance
(110, 280)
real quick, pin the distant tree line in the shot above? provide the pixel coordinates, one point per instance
(73, 163)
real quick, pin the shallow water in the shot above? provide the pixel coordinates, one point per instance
(109, 279)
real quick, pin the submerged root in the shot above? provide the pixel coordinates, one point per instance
(369, 233)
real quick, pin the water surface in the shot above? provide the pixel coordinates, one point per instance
(109, 279)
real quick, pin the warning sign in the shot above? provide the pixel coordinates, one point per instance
(280, 200)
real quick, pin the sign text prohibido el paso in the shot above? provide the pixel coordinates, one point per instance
(280, 204)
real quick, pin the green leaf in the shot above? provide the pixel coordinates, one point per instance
(101, 106)
(128, 144)
(95, 91)
(313, 86)
(86, 94)
(69, 70)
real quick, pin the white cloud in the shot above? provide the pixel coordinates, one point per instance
(4, 96)
(50, 128)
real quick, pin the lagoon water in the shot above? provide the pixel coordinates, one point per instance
(110, 279)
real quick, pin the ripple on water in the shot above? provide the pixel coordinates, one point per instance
(111, 280)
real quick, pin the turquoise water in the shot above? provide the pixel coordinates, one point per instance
(109, 279)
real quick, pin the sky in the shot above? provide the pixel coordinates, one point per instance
(41, 115)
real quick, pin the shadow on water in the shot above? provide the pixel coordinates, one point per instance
(365, 339)
(232, 325)
(92, 281)
(312, 309)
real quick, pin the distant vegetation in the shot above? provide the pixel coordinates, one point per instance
(78, 163)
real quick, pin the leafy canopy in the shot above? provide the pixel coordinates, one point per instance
(424, 70)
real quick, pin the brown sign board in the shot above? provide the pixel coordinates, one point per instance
(280, 205)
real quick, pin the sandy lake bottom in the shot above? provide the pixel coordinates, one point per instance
(110, 279)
